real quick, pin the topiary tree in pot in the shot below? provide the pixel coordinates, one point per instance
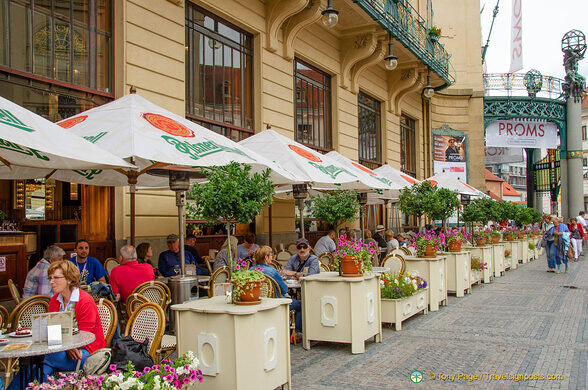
(233, 194)
(335, 207)
(442, 204)
(412, 200)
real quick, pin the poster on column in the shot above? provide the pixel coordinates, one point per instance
(450, 154)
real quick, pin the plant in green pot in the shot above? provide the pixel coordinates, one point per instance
(353, 258)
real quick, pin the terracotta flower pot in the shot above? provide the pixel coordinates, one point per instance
(481, 242)
(430, 251)
(249, 295)
(495, 239)
(521, 236)
(350, 268)
(454, 246)
(509, 237)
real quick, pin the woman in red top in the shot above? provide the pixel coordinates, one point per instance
(64, 277)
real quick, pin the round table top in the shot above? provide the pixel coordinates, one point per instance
(78, 340)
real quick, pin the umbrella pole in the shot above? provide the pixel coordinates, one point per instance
(133, 200)
(301, 209)
(271, 241)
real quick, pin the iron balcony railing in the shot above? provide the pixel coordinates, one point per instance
(401, 20)
(517, 84)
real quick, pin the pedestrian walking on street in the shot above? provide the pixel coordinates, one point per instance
(563, 243)
(582, 222)
(577, 236)
(548, 228)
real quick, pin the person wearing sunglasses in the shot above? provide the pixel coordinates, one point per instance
(301, 260)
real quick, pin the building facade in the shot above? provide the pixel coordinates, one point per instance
(239, 66)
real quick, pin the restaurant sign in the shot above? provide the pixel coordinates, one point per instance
(522, 134)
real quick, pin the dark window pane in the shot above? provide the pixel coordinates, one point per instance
(103, 21)
(42, 47)
(81, 12)
(3, 26)
(103, 62)
(369, 131)
(408, 145)
(219, 74)
(313, 106)
(20, 50)
(81, 63)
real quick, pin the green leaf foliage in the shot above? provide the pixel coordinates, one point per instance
(481, 210)
(232, 193)
(424, 198)
(335, 207)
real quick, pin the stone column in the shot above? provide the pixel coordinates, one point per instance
(575, 187)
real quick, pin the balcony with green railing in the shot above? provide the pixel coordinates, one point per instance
(403, 21)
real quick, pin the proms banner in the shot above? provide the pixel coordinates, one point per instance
(522, 134)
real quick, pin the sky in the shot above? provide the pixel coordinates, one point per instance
(545, 22)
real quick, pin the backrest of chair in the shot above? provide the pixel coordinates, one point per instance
(326, 258)
(208, 265)
(291, 247)
(134, 301)
(155, 292)
(147, 322)
(282, 257)
(406, 250)
(212, 253)
(276, 264)
(21, 315)
(108, 319)
(221, 275)
(270, 288)
(14, 291)
(109, 264)
(324, 267)
(3, 318)
(394, 263)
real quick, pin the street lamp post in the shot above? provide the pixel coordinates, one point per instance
(362, 198)
(573, 45)
(300, 191)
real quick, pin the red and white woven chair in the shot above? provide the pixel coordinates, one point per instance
(147, 322)
(108, 319)
(21, 315)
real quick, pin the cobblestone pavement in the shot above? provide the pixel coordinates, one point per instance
(525, 322)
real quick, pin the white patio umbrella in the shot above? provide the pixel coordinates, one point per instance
(309, 167)
(396, 176)
(32, 147)
(151, 137)
(444, 180)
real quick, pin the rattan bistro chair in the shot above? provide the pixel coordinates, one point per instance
(220, 275)
(108, 319)
(147, 322)
(395, 263)
(324, 267)
(21, 315)
(109, 264)
(156, 292)
(133, 302)
(282, 257)
(3, 318)
(14, 291)
(270, 288)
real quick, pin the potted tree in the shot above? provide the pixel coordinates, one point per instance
(335, 207)
(442, 204)
(233, 194)
(412, 200)
(454, 239)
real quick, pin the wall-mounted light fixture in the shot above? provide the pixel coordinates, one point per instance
(428, 91)
(391, 61)
(330, 15)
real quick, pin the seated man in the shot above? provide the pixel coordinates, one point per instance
(37, 282)
(169, 261)
(190, 246)
(91, 269)
(326, 243)
(301, 260)
(247, 248)
(129, 274)
(263, 257)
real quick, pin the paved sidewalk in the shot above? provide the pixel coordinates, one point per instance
(524, 322)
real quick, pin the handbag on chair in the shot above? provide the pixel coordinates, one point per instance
(127, 349)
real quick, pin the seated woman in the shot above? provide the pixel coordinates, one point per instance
(64, 277)
(263, 257)
(222, 257)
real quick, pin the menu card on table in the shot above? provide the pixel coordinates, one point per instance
(40, 322)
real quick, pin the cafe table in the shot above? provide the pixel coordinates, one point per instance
(341, 309)
(239, 347)
(38, 351)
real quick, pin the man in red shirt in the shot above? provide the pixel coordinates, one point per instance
(129, 274)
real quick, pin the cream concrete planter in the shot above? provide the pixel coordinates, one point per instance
(476, 276)
(498, 260)
(394, 311)
(341, 309)
(458, 272)
(523, 250)
(434, 271)
(485, 254)
(511, 262)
